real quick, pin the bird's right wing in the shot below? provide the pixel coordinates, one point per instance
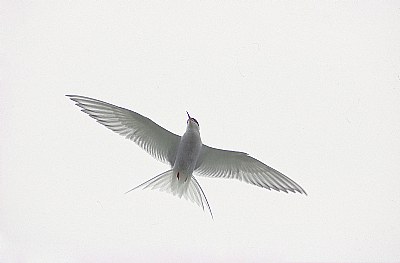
(157, 141)
(214, 162)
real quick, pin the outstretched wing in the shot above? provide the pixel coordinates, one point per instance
(229, 164)
(157, 141)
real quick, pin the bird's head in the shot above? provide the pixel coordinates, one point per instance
(192, 122)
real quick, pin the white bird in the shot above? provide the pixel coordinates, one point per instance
(185, 154)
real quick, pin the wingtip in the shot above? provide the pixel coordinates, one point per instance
(301, 191)
(71, 97)
(292, 190)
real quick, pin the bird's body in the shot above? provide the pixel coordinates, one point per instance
(188, 152)
(185, 154)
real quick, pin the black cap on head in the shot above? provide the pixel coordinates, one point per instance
(190, 118)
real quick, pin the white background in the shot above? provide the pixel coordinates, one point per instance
(312, 89)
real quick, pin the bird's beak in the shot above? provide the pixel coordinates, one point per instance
(188, 114)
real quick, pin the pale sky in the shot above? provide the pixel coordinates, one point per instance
(310, 88)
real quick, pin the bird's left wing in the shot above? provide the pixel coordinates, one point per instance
(157, 141)
(214, 162)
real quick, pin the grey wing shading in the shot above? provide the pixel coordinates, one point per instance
(157, 141)
(238, 165)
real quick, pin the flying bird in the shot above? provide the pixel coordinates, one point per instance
(185, 154)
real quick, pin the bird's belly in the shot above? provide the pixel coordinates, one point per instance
(186, 162)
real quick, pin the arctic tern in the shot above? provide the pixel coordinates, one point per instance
(185, 154)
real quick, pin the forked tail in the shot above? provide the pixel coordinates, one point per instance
(167, 182)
